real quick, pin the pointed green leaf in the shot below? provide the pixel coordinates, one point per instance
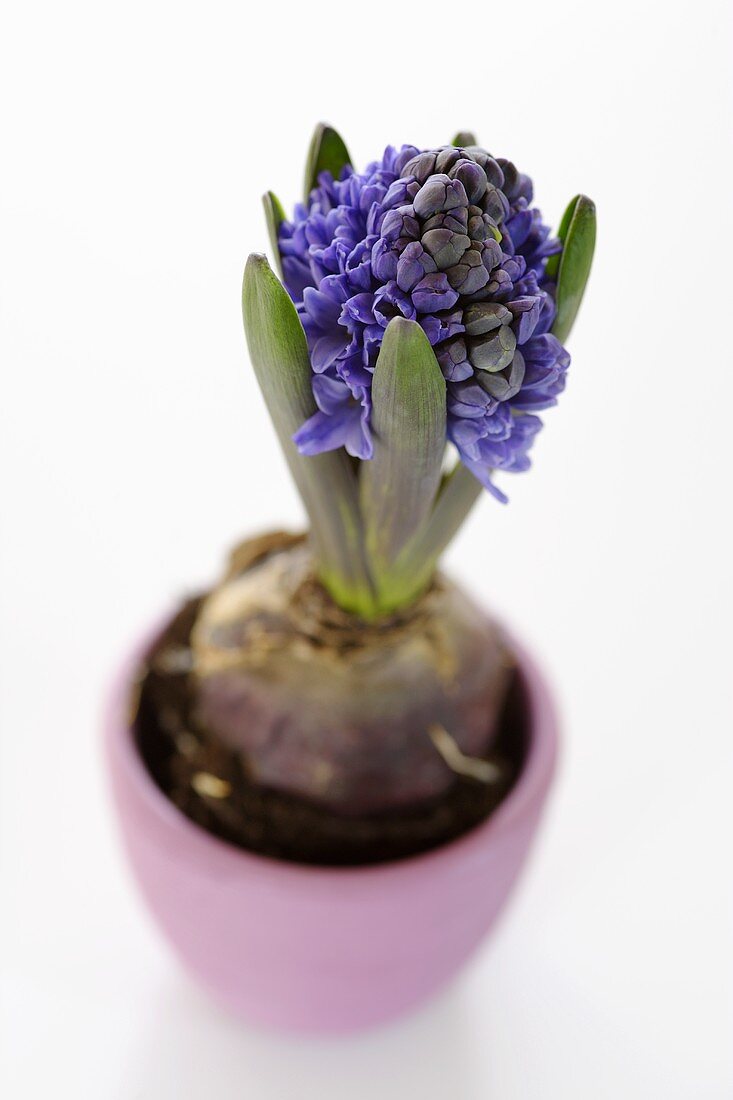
(416, 564)
(572, 267)
(274, 215)
(464, 139)
(553, 264)
(398, 486)
(327, 153)
(458, 494)
(327, 482)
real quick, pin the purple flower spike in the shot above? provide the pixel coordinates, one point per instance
(447, 237)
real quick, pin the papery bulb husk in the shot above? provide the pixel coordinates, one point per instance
(324, 706)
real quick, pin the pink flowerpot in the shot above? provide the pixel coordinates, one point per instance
(320, 949)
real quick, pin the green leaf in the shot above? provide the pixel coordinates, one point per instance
(274, 215)
(458, 493)
(327, 153)
(553, 264)
(327, 483)
(464, 139)
(399, 484)
(416, 564)
(572, 267)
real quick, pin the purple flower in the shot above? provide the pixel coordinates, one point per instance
(448, 238)
(342, 419)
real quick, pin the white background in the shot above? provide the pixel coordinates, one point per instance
(136, 140)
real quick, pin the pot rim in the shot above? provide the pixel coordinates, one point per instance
(228, 860)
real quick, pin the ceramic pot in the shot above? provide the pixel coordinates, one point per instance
(320, 949)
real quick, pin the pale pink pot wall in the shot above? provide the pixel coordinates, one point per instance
(319, 949)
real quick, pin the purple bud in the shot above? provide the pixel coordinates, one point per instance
(495, 205)
(515, 267)
(384, 260)
(445, 247)
(480, 226)
(470, 400)
(453, 359)
(482, 317)
(511, 178)
(505, 384)
(491, 254)
(433, 293)
(400, 193)
(526, 313)
(470, 275)
(399, 223)
(491, 167)
(472, 177)
(493, 351)
(414, 264)
(454, 220)
(446, 158)
(439, 193)
(500, 282)
(420, 167)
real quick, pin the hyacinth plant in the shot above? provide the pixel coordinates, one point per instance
(418, 332)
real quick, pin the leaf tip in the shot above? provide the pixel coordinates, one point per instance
(403, 332)
(402, 326)
(273, 206)
(258, 282)
(327, 152)
(464, 139)
(256, 264)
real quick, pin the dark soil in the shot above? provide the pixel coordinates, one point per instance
(210, 785)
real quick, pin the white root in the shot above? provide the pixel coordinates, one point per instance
(470, 766)
(175, 660)
(210, 786)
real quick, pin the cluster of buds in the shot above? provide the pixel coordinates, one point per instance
(441, 248)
